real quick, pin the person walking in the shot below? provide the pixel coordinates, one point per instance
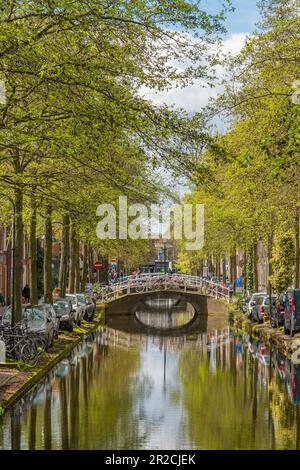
(26, 294)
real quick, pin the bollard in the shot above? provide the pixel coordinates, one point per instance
(2, 352)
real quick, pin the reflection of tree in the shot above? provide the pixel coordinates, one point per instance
(219, 406)
(110, 402)
(93, 409)
(47, 420)
(32, 428)
(16, 429)
(284, 416)
(64, 414)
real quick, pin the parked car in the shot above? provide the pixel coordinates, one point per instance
(254, 305)
(277, 314)
(41, 320)
(77, 307)
(82, 302)
(292, 312)
(264, 309)
(90, 307)
(65, 313)
(55, 318)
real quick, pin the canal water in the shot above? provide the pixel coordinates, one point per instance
(209, 389)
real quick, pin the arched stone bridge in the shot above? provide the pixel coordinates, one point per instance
(123, 304)
(175, 283)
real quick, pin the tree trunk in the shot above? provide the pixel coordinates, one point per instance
(91, 265)
(18, 257)
(224, 269)
(218, 266)
(249, 269)
(33, 254)
(104, 271)
(48, 257)
(297, 247)
(200, 268)
(77, 267)
(233, 271)
(255, 271)
(72, 259)
(85, 266)
(245, 261)
(64, 255)
(270, 267)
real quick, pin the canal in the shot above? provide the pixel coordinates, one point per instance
(209, 389)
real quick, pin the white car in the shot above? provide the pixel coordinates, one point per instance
(252, 305)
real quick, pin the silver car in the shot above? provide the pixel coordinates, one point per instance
(64, 311)
(77, 307)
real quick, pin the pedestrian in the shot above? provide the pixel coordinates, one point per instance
(26, 294)
(2, 301)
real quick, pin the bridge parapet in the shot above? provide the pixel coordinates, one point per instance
(155, 282)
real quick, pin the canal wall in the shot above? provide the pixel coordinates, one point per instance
(264, 332)
(17, 379)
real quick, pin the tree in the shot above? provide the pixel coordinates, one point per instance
(283, 260)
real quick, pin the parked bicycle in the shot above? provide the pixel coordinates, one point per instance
(21, 344)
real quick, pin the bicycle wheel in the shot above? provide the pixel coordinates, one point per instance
(28, 353)
(140, 287)
(40, 344)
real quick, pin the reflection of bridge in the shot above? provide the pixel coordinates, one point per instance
(198, 341)
(124, 313)
(175, 283)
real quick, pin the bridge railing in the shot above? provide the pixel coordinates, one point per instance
(152, 282)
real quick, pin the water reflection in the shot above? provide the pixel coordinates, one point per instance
(211, 390)
(163, 314)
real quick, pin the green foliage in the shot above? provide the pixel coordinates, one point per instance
(237, 301)
(1, 411)
(75, 130)
(245, 172)
(283, 260)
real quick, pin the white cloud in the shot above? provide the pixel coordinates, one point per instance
(196, 96)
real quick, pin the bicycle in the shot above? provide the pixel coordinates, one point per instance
(21, 344)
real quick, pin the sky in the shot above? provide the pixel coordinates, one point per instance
(242, 20)
(239, 25)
